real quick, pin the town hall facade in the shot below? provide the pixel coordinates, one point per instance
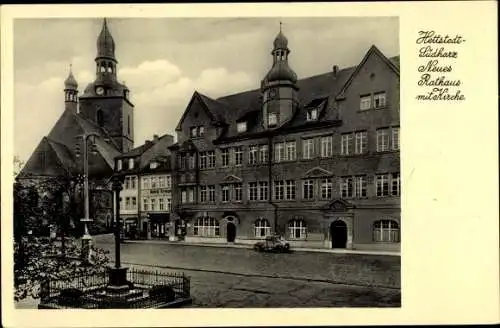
(315, 159)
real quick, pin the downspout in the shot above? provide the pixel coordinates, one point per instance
(270, 177)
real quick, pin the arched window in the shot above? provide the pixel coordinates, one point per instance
(128, 124)
(206, 227)
(103, 69)
(386, 231)
(110, 68)
(99, 118)
(262, 228)
(297, 229)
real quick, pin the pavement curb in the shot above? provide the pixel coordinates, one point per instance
(245, 246)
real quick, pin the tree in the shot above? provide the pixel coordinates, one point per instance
(18, 165)
(43, 259)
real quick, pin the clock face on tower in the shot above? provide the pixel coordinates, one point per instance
(99, 91)
(273, 93)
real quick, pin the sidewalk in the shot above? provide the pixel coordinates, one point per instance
(247, 246)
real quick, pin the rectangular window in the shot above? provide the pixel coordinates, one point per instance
(145, 183)
(161, 203)
(203, 194)
(395, 138)
(345, 145)
(382, 184)
(224, 153)
(194, 132)
(211, 194)
(264, 153)
(127, 183)
(279, 190)
(168, 182)
(130, 163)
(184, 196)
(365, 102)
(346, 187)
(272, 119)
(379, 100)
(154, 182)
(252, 191)
(326, 188)
(203, 160)
(238, 192)
(119, 165)
(225, 193)
(252, 154)
(279, 152)
(211, 159)
(134, 202)
(201, 131)
(291, 151)
(145, 204)
(290, 190)
(396, 184)
(182, 162)
(161, 181)
(169, 204)
(134, 182)
(361, 142)
(327, 146)
(308, 148)
(191, 195)
(241, 127)
(191, 161)
(153, 204)
(263, 190)
(238, 155)
(308, 189)
(360, 186)
(127, 203)
(383, 139)
(312, 114)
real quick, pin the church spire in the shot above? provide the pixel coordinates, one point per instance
(281, 71)
(105, 60)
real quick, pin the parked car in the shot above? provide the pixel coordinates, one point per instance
(274, 243)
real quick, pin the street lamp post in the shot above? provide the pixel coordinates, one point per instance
(86, 238)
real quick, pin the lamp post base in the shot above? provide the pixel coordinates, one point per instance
(118, 283)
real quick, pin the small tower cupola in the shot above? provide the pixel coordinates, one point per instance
(71, 91)
(279, 87)
(105, 43)
(281, 70)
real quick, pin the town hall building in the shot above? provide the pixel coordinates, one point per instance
(315, 159)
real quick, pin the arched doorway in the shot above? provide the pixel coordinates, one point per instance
(338, 233)
(231, 232)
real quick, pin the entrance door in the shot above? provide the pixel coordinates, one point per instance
(338, 233)
(231, 232)
(144, 229)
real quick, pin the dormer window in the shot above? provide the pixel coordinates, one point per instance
(130, 163)
(241, 127)
(312, 114)
(197, 131)
(119, 165)
(272, 119)
(153, 165)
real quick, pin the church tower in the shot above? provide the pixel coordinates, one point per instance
(106, 101)
(71, 92)
(279, 87)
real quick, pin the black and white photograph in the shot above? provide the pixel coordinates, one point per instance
(207, 163)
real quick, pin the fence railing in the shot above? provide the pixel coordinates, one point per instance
(150, 288)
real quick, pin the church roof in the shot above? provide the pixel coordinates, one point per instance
(56, 153)
(105, 42)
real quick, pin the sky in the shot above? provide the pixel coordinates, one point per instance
(164, 60)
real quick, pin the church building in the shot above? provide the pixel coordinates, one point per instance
(313, 159)
(104, 115)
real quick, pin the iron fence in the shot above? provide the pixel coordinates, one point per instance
(148, 289)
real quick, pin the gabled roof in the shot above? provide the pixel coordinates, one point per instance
(214, 109)
(393, 64)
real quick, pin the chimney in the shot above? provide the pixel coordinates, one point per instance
(155, 137)
(335, 70)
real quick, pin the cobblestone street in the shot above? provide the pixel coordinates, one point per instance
(229, 277)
